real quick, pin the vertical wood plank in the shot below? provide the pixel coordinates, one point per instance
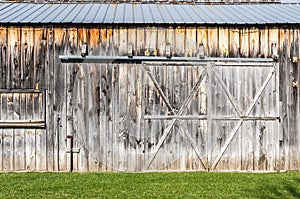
(103, 40)
(170, 38)
(40, 150)
(81, 119)
(150, 41)
(8, 149)
(30, 135)
(116, 41)
(14, 73)
(212, 41)
(109, 50)
(50, 117)
(110, 70)
(104, 95)
(72, 69)
(264, 45)
(8, 137)
(93, 114)
(191, 43)
(122, 43)
(19, 159)
(39, 58)
(94, 41)
(254, 45)
(223, 42)
(139, 120)
(273, 39)
(114, 128)
(132, 39)
(234, 49)
(3, 57)
(60, 45)
(292, 102)
(40, 134)
(180, 41)
(28, 58)
(121, 112)
(202, 38)
(244, 42)
(140, 41)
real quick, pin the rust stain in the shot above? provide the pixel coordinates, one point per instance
(94, 36)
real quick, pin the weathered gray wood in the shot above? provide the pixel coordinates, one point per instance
(110, 116)
(40, 152)
(179, 42)
(150, 41)
(140, 41)
(7, 150)
(29, 60)
(180, 111)
(93, 117)
(247, 112)
(230, 97)
(263, 43)
(212, 42)
(104, 97)
(50, 117)
(190, 42)
(234, 49)
(59, 97)
(71, 72)
(223, 46)
(244, 42)
(39, 58)
(123, 41)
(3, 57)
(254, 42)
(122, 129)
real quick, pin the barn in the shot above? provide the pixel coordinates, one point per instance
(149, 86)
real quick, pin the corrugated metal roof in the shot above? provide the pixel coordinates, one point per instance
(26, 13)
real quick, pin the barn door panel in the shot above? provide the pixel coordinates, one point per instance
(174, 112)
(22, 133)
(244, 108)
(104, 116)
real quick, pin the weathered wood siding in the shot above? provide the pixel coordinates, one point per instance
(98, 103)
(244, 110)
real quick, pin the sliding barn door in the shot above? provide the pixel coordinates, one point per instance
(244, 116)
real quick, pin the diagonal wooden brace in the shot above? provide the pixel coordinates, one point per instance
(235, 130)
(179, 113)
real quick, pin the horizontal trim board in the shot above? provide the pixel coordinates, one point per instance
(169, 117)
(22, 124)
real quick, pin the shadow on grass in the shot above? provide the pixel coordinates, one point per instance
(294, 188)
(288, 189)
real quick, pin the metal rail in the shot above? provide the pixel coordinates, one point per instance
(140, 59)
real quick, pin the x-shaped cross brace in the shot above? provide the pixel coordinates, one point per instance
(241, 114)
(182, 126)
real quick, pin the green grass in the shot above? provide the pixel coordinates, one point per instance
(150, 185)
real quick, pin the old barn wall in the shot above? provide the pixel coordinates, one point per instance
(30, 64)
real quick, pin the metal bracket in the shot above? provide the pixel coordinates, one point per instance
(74, 150)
